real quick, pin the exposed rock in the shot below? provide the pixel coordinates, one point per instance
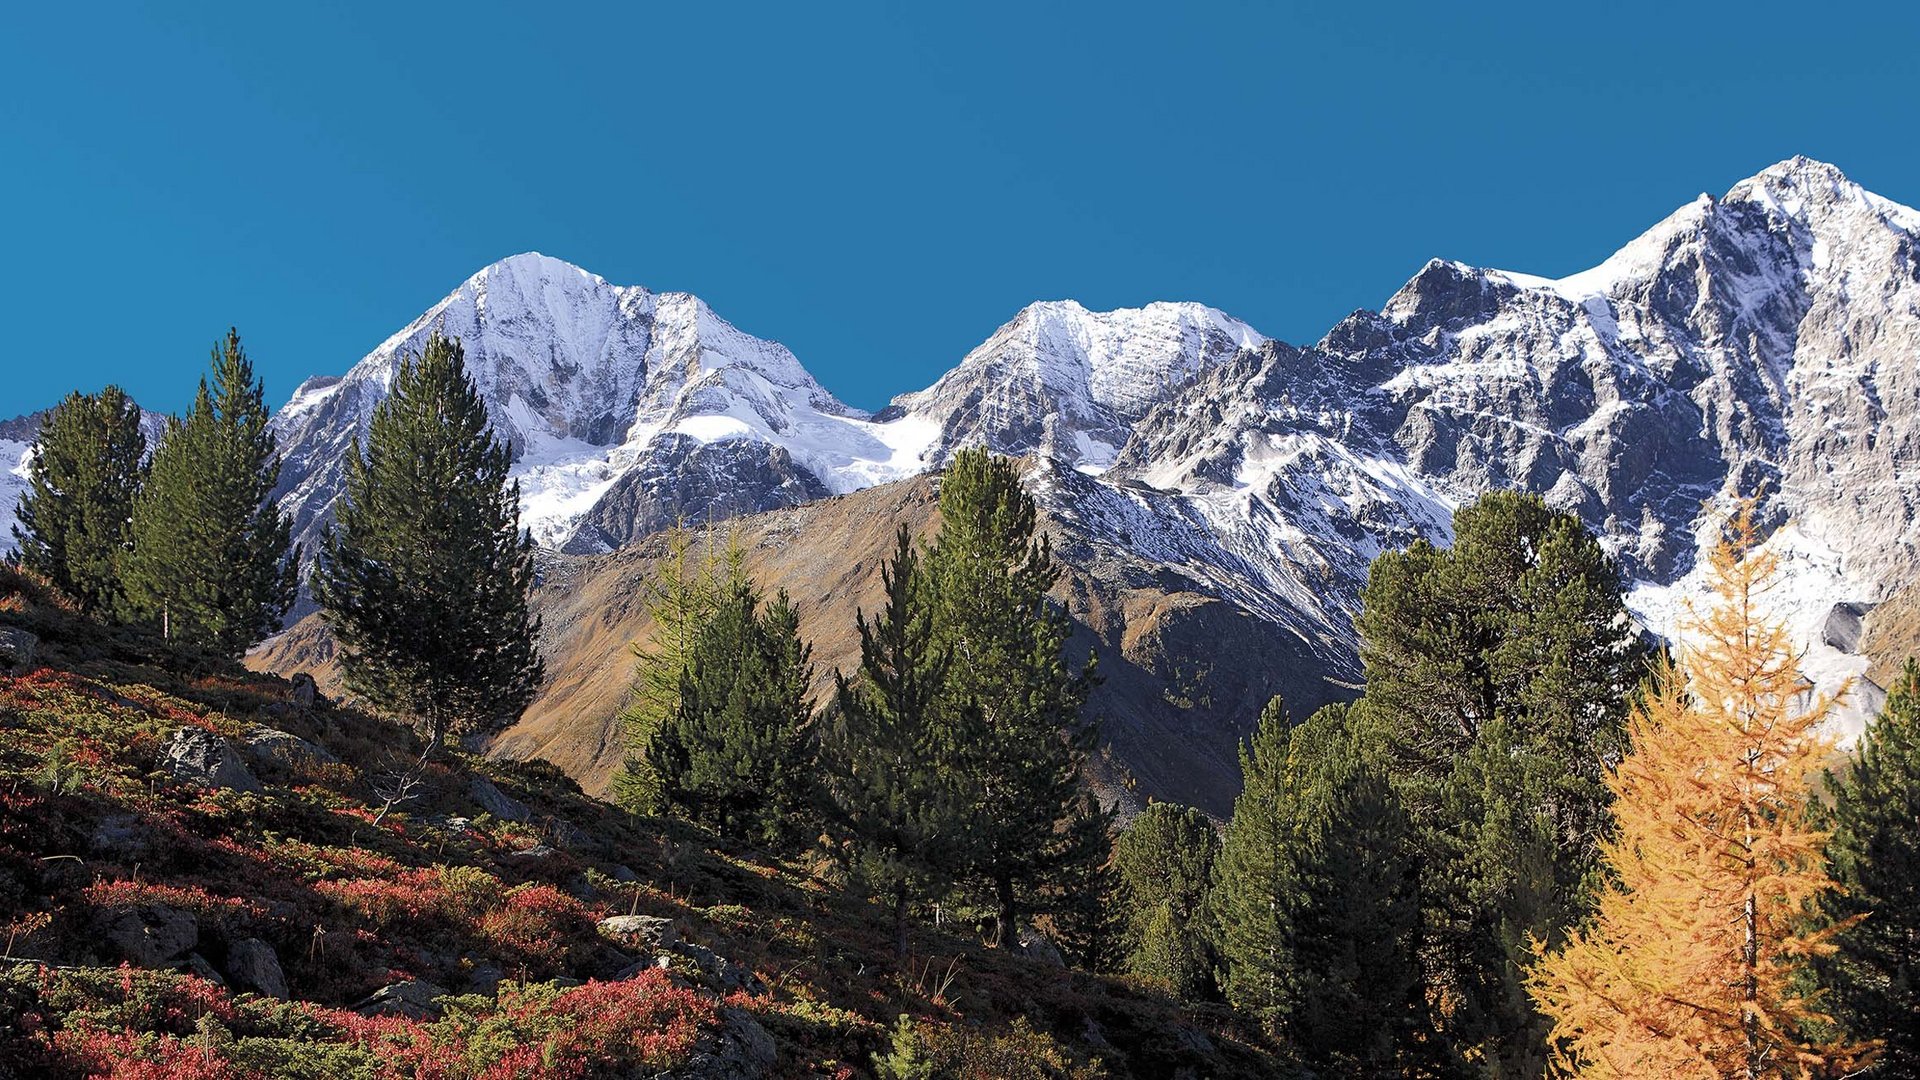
(305, 693)
(414, 999)
(569, 836)
(200, 967)
(17, 648)
(198, 756)
(487, 796)
(1034, 945)
(485, 978)
(640, 933)
(725, 975)
(1842, 630)
(255, 966)
(537, 852)
(279, 753)
(150, 934)
(118, 834)
(740, 1050)
(621, 872)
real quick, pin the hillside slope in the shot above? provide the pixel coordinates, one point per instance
(196, 876)
(1184, 672)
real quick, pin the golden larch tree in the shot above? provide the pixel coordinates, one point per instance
(1694, 965)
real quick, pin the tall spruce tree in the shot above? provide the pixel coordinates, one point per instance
(1165, 861)
(1697, 959)
(1498, 677)
(1012, 705)
(210, 560)
(894, 808)
(680, 596)
(737, 753)
(424, 576)
(75, 518)
(1317, 903)
(1875, 853)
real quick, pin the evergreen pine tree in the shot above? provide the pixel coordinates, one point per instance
(893, 807)
(1696, 961)
(1012, 706)
(1251, 877)
(680, 597)
(737, 754)
(424, 577)
(1082, 902)
(1498, 674)
(1875, 854)
(74, 520)
(210, 559)
(1165, 861)
(1317, 902)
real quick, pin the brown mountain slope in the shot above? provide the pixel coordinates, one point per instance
(1892, 635)
(1184, 673)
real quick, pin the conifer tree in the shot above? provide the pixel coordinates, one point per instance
(1498, 672)
(210, 560)
(894, 807)
(424, 576)
(1316, 900)
(680, 596)
(1696, 961)
(74, 520)
(1165, 860)
(1875, 853)
(737, 754)
(1082, 901)
(1012, 705)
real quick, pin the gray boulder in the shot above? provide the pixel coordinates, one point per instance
(490, 798)
(150, 935)
(17, 648)
(305, 693)
(640, 933)
(255, 966)
(415, 999)
(198, 756)
(740, 1050)
(274, 751)
(1034, 945)
(199, 967)
(118, 834)
(723, 974)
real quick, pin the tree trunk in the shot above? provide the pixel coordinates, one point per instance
(1004, 933)
(900, 921)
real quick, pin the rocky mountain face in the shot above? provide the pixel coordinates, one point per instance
(1766, 340)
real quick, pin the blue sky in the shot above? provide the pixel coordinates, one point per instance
(876, 185)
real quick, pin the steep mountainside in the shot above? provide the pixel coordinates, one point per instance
(1183, 673)
(1766, 340)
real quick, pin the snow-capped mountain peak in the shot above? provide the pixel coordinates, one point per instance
(1069, 383)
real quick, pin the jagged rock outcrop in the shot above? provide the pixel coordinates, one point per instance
(197, 756)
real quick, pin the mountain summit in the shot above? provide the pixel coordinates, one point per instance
(1765, 340)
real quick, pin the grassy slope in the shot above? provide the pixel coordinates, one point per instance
(91, 828)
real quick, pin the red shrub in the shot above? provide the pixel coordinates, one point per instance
(536, 923)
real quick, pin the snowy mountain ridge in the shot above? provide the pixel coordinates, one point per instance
(1768, 339)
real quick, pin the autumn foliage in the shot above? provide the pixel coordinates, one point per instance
(1696, 961)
